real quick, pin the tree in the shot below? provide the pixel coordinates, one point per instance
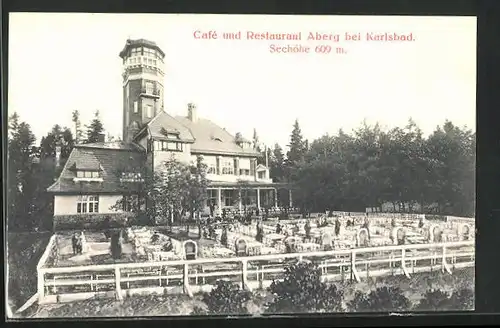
(95, 129)
(297, 146)
(303, 291)
(383, 299)
(167, 194)
(78, 129)
(371, 167)
(20, 156)
(138, 189)
(226, 298)
(45, 171)
(277, 164)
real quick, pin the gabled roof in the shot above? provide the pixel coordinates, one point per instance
(112, 161)
(212, 139)
(162, 123)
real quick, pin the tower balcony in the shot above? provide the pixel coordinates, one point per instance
(152, 93)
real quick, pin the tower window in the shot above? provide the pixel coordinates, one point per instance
(149, 86)
(136, 107)
(149, 111)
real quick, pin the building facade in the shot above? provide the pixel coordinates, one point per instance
(96, 176)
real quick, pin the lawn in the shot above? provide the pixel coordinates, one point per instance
(23, 252)
(165, 305)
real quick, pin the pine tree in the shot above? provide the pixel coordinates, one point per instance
(94, 129)
(277, 163)
(78, 128)
(297, 145)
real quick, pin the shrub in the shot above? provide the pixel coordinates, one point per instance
(383, 299)
(462, 299)
(116, 245)
(303, 291)
(225, 298)
(434, 300)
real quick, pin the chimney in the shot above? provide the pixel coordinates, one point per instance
(192, 113)
(101, 138)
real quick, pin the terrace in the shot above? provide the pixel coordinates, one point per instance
(147, 244)
(394, 245)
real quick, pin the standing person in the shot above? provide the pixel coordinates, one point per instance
(74, 241)
(260, 232)
(78, 238)
(307, 228)
(366, 225)
(337, 227)
(212, 208)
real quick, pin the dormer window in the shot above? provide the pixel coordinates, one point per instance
(131, 177)
(88, 176)
(170, 134)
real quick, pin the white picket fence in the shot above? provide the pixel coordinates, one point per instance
(61, 284)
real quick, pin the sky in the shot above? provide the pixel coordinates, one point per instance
(63, 62)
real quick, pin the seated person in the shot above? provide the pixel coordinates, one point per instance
(168, 247)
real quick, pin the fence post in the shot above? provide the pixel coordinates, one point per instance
(41, 285)
(118, 286)
(403, 263)
(444, 264)
(185, 279)
(354, 272)
(244, 275)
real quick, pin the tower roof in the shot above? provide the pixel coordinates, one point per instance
(140, 42)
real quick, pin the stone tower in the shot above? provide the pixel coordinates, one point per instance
(143, 74)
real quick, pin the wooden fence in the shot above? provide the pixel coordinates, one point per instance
(61, 284)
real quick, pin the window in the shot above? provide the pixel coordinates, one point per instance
(227, 196)
(172, 136)
(212, 168)
(136, 107)
(87, 174)
(87, 204)
(168, 146)
(244, 172)
(149, 111)
(211, 197)
(130, 203)
(136, 51)
(150, 87)
(131, 176)
(228, 167)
